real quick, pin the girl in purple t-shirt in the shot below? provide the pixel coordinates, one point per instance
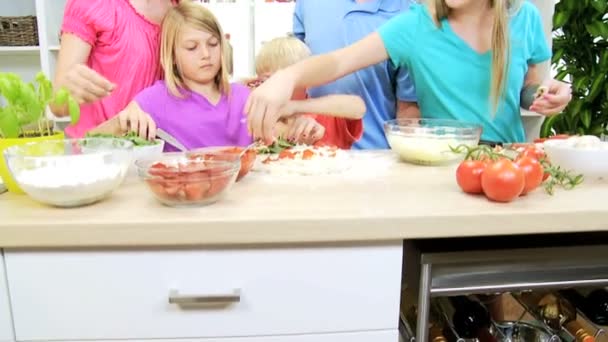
(195, 102)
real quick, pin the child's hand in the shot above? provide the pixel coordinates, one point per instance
(264, 104)
(303, 129)
(554, 101)
(134, 119)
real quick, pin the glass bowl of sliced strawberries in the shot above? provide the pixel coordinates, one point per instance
(229, 153)
(181, 180)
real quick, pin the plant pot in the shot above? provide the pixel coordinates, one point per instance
(5, 174)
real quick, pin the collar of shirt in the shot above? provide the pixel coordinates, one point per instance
(374, 6)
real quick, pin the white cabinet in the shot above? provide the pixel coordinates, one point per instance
(262, 292)
(272, 19)
(6, 322)
(237, 21)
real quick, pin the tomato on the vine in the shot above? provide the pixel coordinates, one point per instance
(468, 176)
(533, 152)
(503, 181)
(533, 172)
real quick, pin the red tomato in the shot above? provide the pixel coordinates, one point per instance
(503, 181)
(558, 136)
(533, 152)
(533, 172)
(307, 154)
(468, 176)
(286, 154)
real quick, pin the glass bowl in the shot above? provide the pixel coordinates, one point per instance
(428, 141)
(178, 180)
(229, 153)
(69, 172)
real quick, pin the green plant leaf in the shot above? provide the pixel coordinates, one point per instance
(585, 118)
(9, 124)
(74, 109)
(45, 88)
(61, 97)
(600, 5)
(597, 86)
(547, 126)
(597, 28)
(560, 18)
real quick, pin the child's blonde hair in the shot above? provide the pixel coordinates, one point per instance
(280, 53)
(200, 18)
(501, 49)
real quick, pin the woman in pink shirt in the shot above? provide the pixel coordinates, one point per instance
(109, 53)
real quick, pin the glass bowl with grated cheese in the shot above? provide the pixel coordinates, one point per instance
(429, 141)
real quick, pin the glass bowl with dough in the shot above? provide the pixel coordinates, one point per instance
(429, 141)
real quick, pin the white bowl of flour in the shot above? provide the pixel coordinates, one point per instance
(71, 172)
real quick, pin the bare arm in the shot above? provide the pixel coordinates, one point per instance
(407, 110)
(534, 75)
(265, 103)
(344, 106)
(322, 69)
(83, 83)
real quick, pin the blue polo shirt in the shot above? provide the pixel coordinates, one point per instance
(328, 25)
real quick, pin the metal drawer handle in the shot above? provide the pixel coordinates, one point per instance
(208, 299)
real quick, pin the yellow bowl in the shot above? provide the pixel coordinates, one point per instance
(5, 174)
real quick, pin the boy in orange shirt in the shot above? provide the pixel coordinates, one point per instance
(341, 115)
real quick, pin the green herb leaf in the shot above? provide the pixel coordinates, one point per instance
(9, 124)
(74, 109)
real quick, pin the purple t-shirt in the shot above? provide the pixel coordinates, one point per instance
(196, 122)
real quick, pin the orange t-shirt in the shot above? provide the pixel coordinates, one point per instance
(340, 132)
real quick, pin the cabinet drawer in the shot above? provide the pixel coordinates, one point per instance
(127, 294)
(6, 322)
(365, 336)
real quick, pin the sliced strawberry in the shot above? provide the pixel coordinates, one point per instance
(196, 191)
(218, 184)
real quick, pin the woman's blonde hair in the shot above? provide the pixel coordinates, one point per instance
(280, 53)
(200, 18)
(501, 49)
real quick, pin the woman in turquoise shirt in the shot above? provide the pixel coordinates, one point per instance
(469, 60)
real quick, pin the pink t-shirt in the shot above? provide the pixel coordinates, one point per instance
(125, 50)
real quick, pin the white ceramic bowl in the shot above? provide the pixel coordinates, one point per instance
(582, 155)
(148, 151)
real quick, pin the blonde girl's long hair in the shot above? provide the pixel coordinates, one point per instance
(200, 18)
(501, 49)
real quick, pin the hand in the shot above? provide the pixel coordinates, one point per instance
(134, 119)
(303, 129)
(86, 85)
(264, 105)
(554, 101)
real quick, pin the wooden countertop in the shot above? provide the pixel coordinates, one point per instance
(379, 199)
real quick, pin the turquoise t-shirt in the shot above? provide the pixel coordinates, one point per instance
(452, 80)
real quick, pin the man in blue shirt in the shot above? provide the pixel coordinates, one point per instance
(388, 92)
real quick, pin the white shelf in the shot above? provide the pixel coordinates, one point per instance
(19, 50)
